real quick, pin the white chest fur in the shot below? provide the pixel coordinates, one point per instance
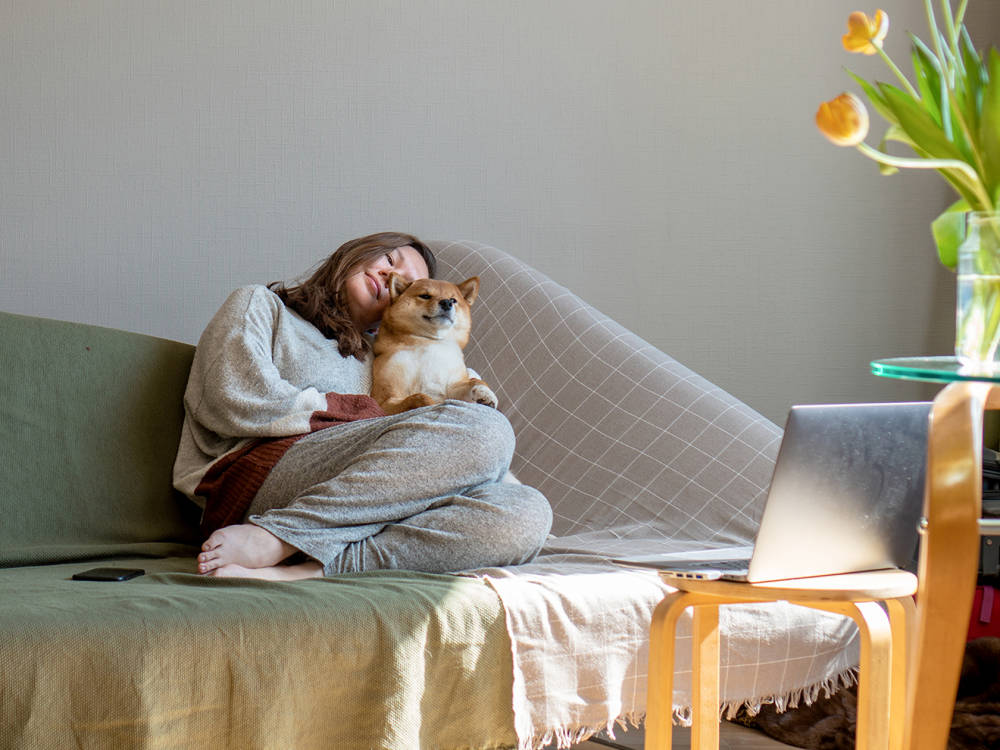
(429, 369)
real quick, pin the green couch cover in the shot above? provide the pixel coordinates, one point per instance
(89, 424)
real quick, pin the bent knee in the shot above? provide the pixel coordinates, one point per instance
(484, 431)
(541, 517)
(477, 416)
(529, 522)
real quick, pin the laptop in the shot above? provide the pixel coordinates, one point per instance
(846, 496)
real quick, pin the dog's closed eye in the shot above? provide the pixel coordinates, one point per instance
(425, 296)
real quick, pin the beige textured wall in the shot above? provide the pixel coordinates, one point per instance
(657, 157)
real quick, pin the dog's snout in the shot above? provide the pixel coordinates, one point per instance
(446, 304)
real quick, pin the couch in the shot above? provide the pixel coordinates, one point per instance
(633, 450)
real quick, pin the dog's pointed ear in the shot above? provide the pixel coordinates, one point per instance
(397, 285)
(470, 289)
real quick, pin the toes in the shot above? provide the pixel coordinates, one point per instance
(244, 545)
(207, 566)
(232, 570)
(214, 541)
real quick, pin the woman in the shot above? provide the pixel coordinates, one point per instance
(287, 453)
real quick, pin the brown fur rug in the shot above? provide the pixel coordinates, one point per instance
(828, 724)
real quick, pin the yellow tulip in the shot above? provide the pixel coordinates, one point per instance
(843, 120)
(864, 34)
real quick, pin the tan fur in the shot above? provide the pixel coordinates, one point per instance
(418, 349)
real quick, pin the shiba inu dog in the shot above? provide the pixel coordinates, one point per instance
(418, 348)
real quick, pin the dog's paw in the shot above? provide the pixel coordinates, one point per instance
(399, 405)
(416, 400)
(483, 394)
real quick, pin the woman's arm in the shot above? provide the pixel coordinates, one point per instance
(235, 389)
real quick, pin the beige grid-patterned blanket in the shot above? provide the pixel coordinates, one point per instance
(636, 453)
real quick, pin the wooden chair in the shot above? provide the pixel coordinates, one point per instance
(882, 677)
(949, 557)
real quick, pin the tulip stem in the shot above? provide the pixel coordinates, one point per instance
(932, 25)
(949, 25)
(960, 15)
(911, 163)
(898, 72)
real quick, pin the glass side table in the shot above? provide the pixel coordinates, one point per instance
(931, 370)
(950, 528)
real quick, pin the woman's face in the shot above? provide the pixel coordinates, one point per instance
(366, 287)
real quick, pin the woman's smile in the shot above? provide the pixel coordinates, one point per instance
(376, 287)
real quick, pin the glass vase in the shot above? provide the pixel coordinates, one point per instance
(977, 309)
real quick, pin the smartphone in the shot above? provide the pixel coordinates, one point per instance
(108, 574)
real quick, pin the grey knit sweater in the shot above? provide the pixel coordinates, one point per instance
(259, 370)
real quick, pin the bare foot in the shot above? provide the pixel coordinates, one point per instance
(246, 545)
(272, 573)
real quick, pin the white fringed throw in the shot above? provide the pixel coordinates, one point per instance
(579, 628)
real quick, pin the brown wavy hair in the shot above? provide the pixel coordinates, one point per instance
(318, 299)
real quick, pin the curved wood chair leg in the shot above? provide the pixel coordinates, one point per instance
(902, 619)
(705, 677)
(949, 555)
(660, 685)
(875, 670)
(882, 684)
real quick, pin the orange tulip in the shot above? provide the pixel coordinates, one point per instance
(843, 120)
(864, 34)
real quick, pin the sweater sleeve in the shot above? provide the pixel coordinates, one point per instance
(235, 390)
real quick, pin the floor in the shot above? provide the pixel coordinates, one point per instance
(731, 737)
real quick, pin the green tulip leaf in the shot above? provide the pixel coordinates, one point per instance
(928, 75)
(948, 230)
(927, 135)
(897, 134)
(875, 97)
(929, 140)
(946, 110)
(926, 53)
(974, 78)
(989, 124)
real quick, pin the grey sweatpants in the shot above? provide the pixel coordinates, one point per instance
(418, 491)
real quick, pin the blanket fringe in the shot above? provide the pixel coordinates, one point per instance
(809, 694)
(566, 737)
